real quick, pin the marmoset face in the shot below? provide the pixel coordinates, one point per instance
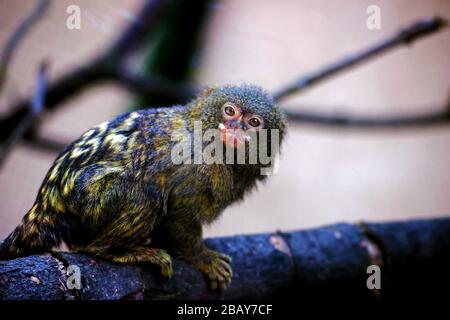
(238, 111)
(236, 123)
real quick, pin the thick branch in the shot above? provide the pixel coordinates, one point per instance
(326, 263)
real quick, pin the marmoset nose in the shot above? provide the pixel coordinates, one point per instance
(236, 124)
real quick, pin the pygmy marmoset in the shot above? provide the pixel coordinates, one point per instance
(116, 193)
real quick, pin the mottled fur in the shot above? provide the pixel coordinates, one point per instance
(116, 194)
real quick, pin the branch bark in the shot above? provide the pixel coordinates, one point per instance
(326, 263)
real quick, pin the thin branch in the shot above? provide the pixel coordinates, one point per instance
(404, 37)
(45, 144)
(146, 85)
(18, 35)
(336, 121)
(106, 67)
(100, 69)
(109, 66)
(70, 84)
(149, 16)
(326, 264)
(36, 108)
(345, 121)
(37, 105)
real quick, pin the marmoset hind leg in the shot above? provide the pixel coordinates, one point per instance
(139, 254)
(122, 242)
(120, 225)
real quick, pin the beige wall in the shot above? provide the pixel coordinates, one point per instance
(326, 175)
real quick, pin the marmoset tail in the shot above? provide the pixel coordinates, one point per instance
(141, 186)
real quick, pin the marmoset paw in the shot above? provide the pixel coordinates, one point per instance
(165, 262)
(155, 256)
(217, 267)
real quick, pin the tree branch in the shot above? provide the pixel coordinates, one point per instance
(404, 37)
(147, 85)
(323, 263)
(18, 35)
(103, 68)
(34, 112)
(345, 121)
(110, 66)
(149, 16)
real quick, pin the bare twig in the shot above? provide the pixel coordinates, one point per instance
(18, 35)
(346, 121)
(36, 108)
(404, 37)
(46, 144)
(71, 83)
(109, 66)
(146, 85)
(37, 105)
(149, 16)
(102, 68)
(341, 121)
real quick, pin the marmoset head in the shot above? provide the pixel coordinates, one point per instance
(239, 112)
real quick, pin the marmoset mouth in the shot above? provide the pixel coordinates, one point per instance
(233, 137)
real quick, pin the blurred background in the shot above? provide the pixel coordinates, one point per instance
(326, 174)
